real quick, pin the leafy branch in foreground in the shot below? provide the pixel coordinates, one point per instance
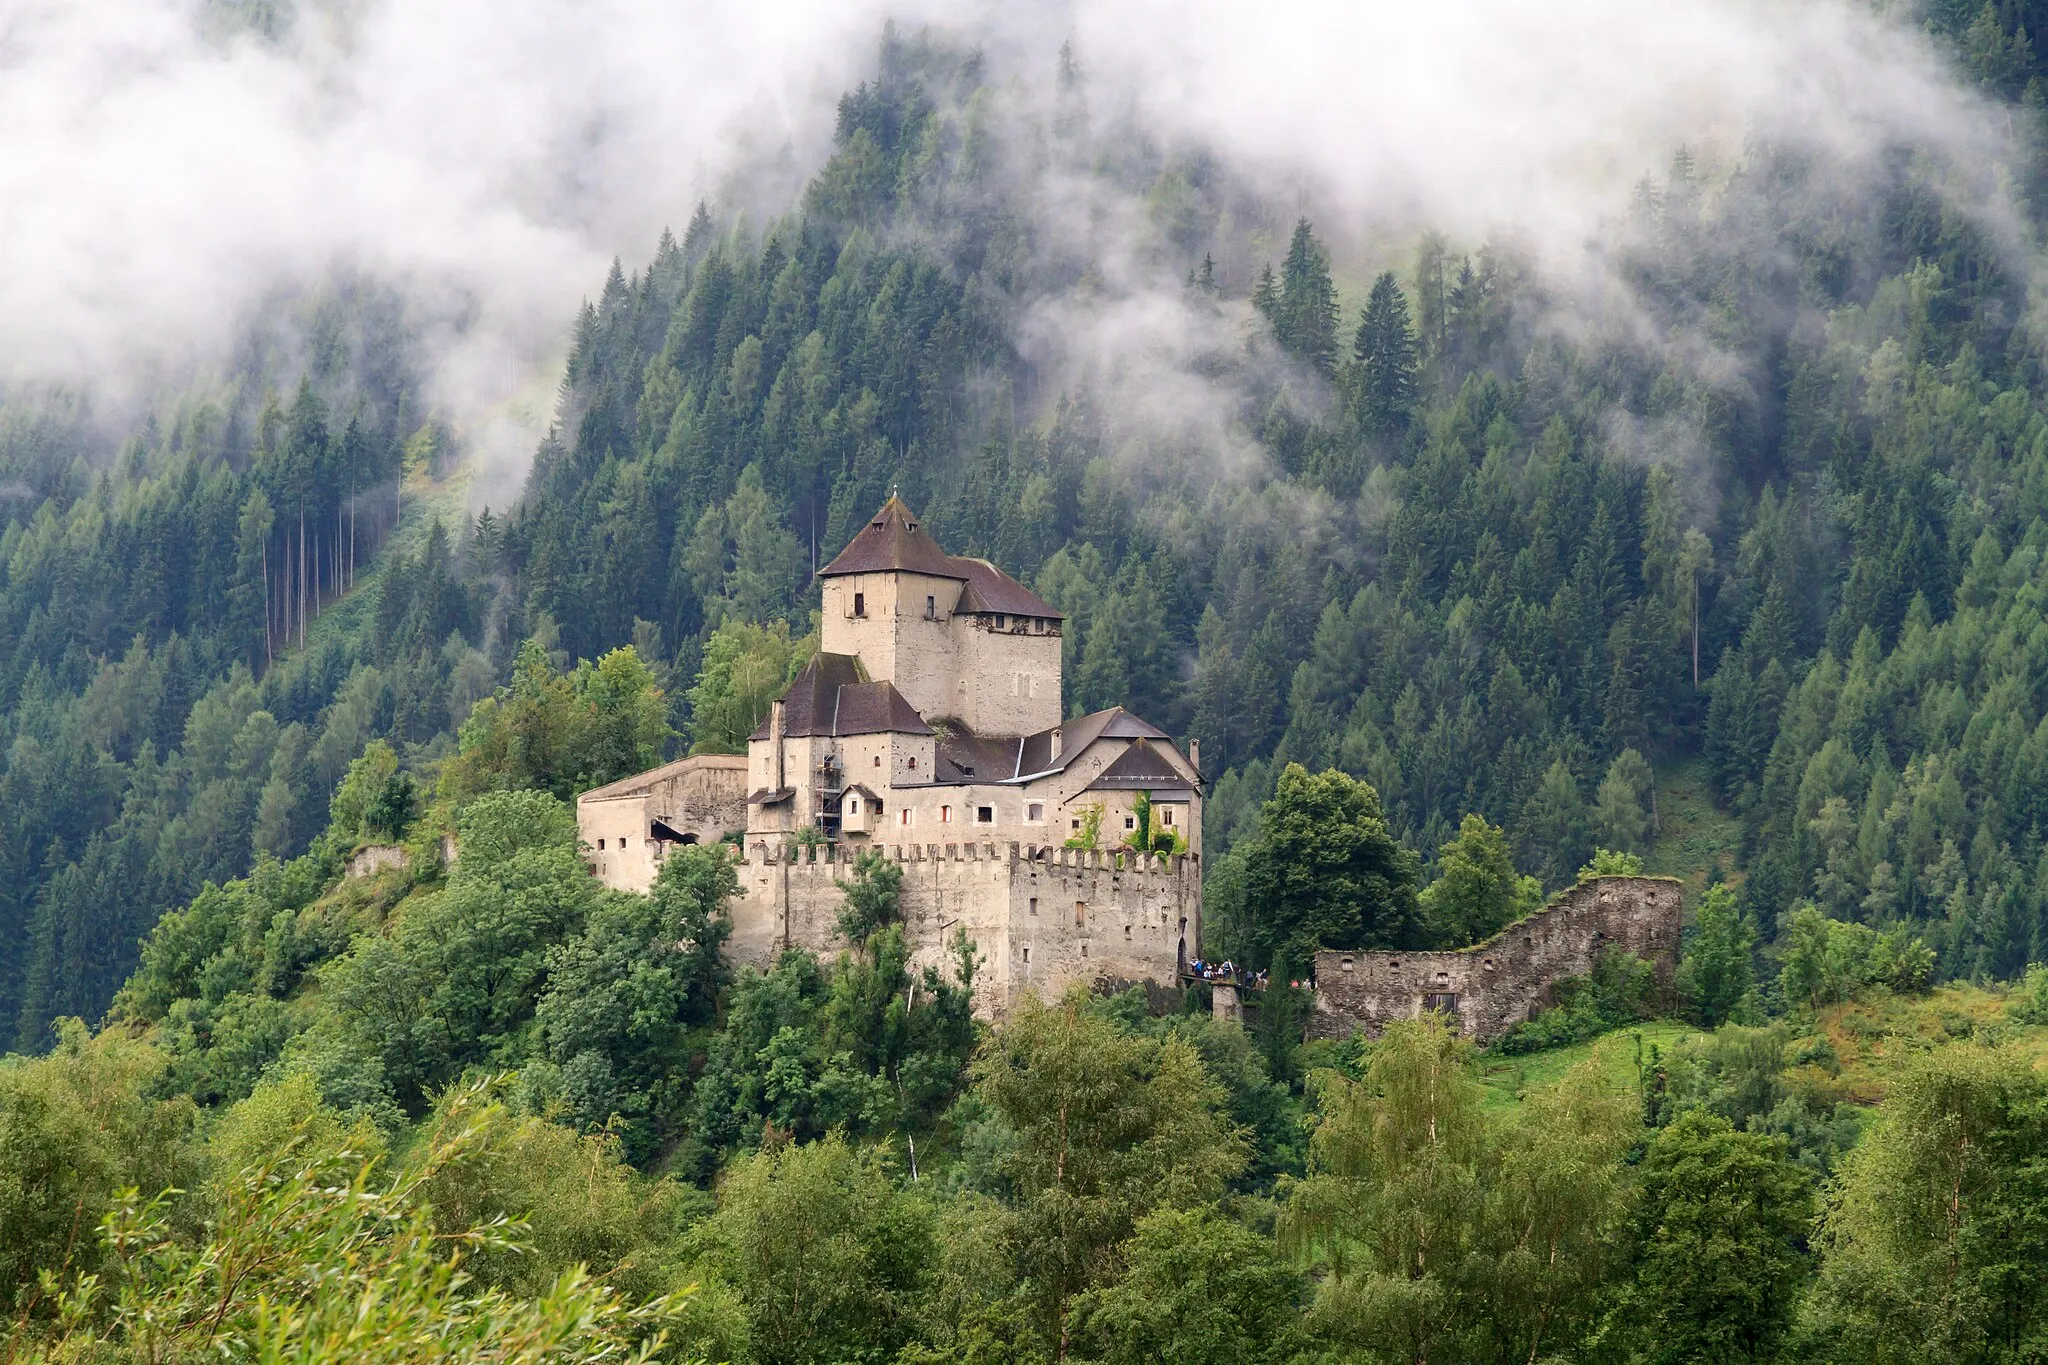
(309, 1253)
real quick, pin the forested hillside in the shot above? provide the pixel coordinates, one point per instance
(1479, 560)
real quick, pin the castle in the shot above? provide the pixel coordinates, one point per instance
(930, 728)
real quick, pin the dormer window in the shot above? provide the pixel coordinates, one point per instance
(860, 604)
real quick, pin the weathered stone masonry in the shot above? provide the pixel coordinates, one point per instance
(1499, 983)
(1039, 917)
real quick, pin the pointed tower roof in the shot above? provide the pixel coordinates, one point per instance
(894, 540)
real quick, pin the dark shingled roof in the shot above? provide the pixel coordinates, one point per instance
(1076, 735)
(895, 541)
(1142, 768)
(964, 756)
(833, 697)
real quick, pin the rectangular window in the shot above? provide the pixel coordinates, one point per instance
(999, 620)
(1442, 1002)
(600, 843)
(931, 608)
(853, 805)
(1035, 812)
(1034, 905)
(1166, 816)
(1127, 931)
(984, 815)
(903, 817)
(860, 604)
(945, 815)
(1080, 913)
(1130, 822)
(1027, 954)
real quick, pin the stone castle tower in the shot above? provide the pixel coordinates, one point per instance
(930, 727)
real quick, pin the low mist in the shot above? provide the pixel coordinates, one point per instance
(173, 167)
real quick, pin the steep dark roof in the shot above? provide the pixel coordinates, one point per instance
(895, 540)
(964, 756)
(990, 589)
(1077, 734)
(832, 697)
(1142, 768)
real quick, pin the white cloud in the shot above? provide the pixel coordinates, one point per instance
(488, 157)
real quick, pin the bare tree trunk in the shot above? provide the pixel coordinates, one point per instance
(267, 619)
(1695, 632)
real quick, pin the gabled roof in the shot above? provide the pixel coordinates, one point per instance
(1035, 755)
(832, 696)
(1142, 768)
(894, 541)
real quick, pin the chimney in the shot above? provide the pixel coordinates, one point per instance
(1056, 737)
(1195, 756)
(775, 737)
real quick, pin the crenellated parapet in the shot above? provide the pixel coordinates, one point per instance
(771, 853)
(1041, 917)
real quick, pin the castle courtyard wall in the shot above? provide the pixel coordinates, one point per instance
(1041, 918)
(1501, 982)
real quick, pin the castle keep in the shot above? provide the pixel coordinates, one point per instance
(930, 728)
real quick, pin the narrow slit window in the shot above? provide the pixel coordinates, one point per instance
(860, 604)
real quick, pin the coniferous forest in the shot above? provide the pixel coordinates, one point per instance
(1467, 585)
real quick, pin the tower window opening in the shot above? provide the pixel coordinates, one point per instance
(860, 604)
(931, 608)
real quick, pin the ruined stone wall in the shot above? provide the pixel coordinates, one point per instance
(705, 796)
(1041, 918)
(1499, 983)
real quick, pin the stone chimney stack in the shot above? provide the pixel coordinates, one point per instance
(1057, 738)
(775, 724)
(1195, 756)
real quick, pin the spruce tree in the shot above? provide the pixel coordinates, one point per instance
(1383, 360)
(1305, 318)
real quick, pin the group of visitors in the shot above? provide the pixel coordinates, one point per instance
(1228, 971)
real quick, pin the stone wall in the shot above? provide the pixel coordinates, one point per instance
(374, 858)
(704, 796)
(1041, 918)
(1501, 982)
